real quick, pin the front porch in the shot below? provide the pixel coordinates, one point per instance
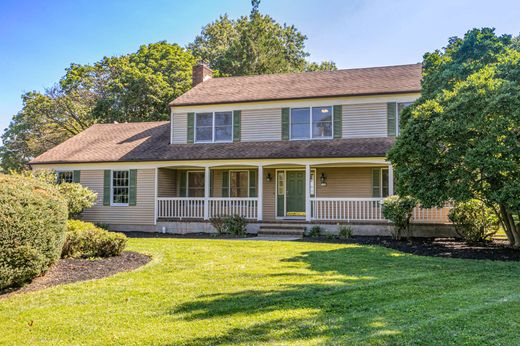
(281, 193)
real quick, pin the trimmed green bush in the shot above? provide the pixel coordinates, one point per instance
(399, 209)
(315, 231)
(85, 240)
(33, 218)
(474, 221)
(235, 225)
(344, 231)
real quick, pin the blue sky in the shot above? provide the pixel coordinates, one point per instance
(39, 39)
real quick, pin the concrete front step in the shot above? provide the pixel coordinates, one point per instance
(281, 230)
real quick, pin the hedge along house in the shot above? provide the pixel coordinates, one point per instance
(282, 149)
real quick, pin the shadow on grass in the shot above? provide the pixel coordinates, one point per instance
(364, 295)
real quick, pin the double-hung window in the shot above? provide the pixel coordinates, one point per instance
(120, 188)
(239, 183)
(195, 184)
(311, 123)
(64, 177)
(400, 107)
(214, 127)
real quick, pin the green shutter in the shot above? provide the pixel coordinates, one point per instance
(285, 124)
(337, 111)
(376, 182)
(225, 183)
(236, 126)
(132, 193)
(252, 183)
(76, 176)
(106, 187)
(391, 118)
(182, 184)
(191, 127)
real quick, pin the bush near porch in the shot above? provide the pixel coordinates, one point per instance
(209, 292)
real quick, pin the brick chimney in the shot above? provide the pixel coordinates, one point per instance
(201, 73)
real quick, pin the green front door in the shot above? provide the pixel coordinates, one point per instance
(295, 193)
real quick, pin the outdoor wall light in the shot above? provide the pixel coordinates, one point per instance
(268, 177)
(323, 179)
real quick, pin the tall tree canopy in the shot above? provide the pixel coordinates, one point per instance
(254, 44)
(461, 139)
(132, 87)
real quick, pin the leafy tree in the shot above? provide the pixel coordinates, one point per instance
(323, 66)
(461, 139)
(133, 87)
(251, 45)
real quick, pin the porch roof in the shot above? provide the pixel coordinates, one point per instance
(139, 142)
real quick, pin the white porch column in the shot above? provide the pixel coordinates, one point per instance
(390, 179)
(307, 192)
(260, 193)
(206, 193)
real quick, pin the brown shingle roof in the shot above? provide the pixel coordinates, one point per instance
(351, 82)
(150, 142)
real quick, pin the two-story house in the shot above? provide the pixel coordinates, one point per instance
(277, 149)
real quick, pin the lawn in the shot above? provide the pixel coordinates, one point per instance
(199, 292)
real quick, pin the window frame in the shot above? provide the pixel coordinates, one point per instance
(195, 140)
(310, 124)
(188, 183)
(248, 181)
(112, 204)
(398, 115)
(61, 172)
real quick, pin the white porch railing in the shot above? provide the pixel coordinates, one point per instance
(346, 209)
(368, 209)
(193, 208)
(222, 206)
(180, 207)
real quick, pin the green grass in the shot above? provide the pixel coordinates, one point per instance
(199, 292)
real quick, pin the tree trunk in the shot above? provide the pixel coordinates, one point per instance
(512, 230)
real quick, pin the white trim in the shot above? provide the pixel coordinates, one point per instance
(260, 193)
(284, 170)
(206, 192)
(212, 128)
(112, 204)
(155, 195)
(390, 180)
(308, 192)
(310, 123)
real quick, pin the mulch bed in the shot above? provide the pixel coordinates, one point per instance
(73, 270)
(497, 250)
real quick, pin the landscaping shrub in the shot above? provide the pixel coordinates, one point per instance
(219, 224)
(78, 197)
(399, 209)
(235, 225)
(344, 231)
(85, 240)
(33, 218)
(315, 231)
(474, 221)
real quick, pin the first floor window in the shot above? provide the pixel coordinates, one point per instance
(239, 183)
(380, 182)
(64, 177)
(195, 184)
(311, 122)
(384, 182)
(214, 127)
(120, 187)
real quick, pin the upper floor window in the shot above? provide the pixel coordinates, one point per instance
(120, 188)
(311, 123)
(214, 127)
(400, 107)
(64, 177)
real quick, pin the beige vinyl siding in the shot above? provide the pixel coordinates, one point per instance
(261, 125)
(364, 120)
(269, 197)
(345, 182)
(140, 214)
(166, 182)
(180, 128)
